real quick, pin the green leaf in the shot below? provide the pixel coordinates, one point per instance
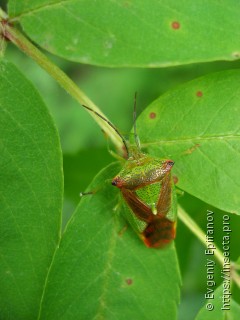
(103, 271)
(31, 187)
(221, 310)
(197, 126)
(238, 261)
(132, 33)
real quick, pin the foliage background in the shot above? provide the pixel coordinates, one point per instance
(85, 151)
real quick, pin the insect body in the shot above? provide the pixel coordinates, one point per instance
(146, 188)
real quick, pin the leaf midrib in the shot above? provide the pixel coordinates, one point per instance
(190, 139)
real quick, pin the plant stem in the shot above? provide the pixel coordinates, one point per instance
(191, 224)
(28, 48)
(196, 230)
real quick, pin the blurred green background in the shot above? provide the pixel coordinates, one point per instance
(85, 149)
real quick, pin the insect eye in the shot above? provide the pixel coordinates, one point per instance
(117, 181)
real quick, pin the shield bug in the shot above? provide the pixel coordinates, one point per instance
(148, 192)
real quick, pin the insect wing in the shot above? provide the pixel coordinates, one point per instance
(156, 230)
(162, 229)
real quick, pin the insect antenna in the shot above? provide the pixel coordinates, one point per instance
(111, 125)
(136, 137)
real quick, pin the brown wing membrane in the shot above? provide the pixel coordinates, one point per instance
(164, 200)
(141, 211)
(159, 232)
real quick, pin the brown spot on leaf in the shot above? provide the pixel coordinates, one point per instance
(152, 115)
(121, 232)
(175, 179)
(236, 55)
(199, 94)
(190, 150)
(175, 25)
(129, 281)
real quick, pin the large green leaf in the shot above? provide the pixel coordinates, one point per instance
(31, 188)
(132, 33)
(102, 271)
(197, 125)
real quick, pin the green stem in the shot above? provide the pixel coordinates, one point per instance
(196, 230)
(191, 224)
(28, 48)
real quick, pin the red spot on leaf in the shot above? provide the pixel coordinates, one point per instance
(199, 94)
(152, 115)
(175, 179)
(175, 25)
(129, 281)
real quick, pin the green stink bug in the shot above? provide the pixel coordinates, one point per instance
(146, 188)
(148, 192)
